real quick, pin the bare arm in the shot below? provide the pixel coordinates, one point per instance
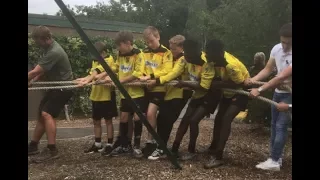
(37, 71)
(278, 79)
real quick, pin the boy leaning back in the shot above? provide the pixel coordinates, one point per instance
(158, 63)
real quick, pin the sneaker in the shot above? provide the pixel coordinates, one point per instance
(128, 149)
(137, 152)
(158, 153)
(117, 143)
(107, 150)
(148, 149)
(269, 165)
(188, 156)
(93, 149)
(32, 150)
(213, 162)
(46, 155)
(280, 161)
(117, 151)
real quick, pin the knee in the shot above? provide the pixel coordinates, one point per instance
(45, 115)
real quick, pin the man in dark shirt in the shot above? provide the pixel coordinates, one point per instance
(55, 65)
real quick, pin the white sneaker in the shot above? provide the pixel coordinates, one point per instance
(269, 165)
(158, 153)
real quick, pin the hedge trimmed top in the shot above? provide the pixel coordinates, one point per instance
(85, 23)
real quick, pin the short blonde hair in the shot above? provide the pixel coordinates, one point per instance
(41, 32)
(177, 40)
(150, 30)
(123, 37)
(261, 57)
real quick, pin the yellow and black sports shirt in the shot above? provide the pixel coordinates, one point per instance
(178, 72)
(201, 73)
(133, 64)
(158, 63)
(101, 92)
(235, 71)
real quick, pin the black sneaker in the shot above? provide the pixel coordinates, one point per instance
(32, 150)
(117, 151)
(117, 143)
(188, 156)
(128, 149)
(107, 150)
(148, 149)
(46, 155)
(93, 149)
(158, 153)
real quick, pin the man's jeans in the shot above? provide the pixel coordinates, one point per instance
(279, 126)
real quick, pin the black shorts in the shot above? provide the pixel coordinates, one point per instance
(241, 101)
(141, 102)
(155, 97)
(104, 109)
(54, 100)
(210, 101)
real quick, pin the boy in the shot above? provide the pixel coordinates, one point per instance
(158, 62)
(130, 66)
(232, 74)
(201, 71)
(103, 103)
(175, 98)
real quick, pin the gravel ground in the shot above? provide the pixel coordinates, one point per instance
(246, 147)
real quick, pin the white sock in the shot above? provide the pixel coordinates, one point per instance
(108, 144)
(97, 144)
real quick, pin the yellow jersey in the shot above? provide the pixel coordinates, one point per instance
(101, 92)
(234, 71)
(158, 63)
(178, 72)
(203, 74)
(133, 64)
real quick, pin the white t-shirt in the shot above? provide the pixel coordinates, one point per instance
(283, 60)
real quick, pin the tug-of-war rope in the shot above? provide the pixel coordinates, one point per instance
(74, 84)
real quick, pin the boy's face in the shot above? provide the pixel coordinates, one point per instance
(124, 47)
(176, 50)
(152, 42)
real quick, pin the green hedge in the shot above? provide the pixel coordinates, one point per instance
(80, 58)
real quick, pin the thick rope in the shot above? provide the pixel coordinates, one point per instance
(138, 83)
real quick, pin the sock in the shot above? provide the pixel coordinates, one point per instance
(191, 149)
(52, 147)
(110, 140)
(34, 144)
(137, 133)
(97, 142)
(124, 129)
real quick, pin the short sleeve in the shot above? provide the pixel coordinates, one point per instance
(49, 60)
(274, 50)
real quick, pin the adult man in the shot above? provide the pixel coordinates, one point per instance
(55, 65)
(281, 58)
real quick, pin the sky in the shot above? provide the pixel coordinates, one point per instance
(50, 7)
